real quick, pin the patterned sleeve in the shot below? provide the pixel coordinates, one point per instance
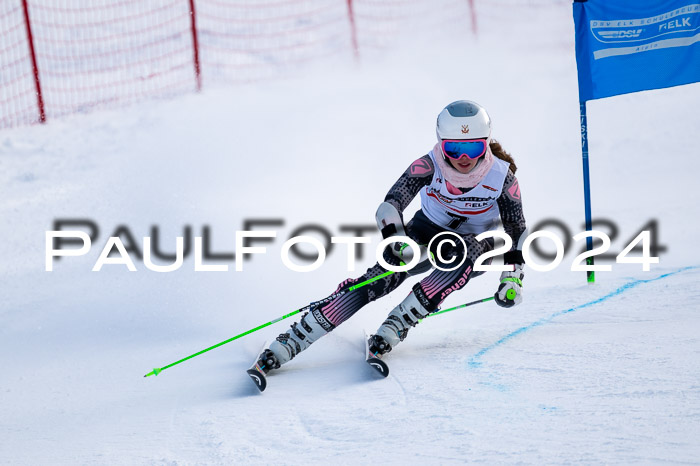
(418, 175)
(511, 207)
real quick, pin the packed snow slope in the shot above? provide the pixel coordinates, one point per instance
(604, 373)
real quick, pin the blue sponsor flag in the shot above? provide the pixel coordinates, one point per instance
(627, 46)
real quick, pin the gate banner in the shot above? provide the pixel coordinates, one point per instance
(627, 46)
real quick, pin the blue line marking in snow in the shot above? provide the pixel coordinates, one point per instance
(474, 360)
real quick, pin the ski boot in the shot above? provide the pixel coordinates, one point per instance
(312, 326)
(395, 328)
(266, 362)
(415, 307)
(378, 345)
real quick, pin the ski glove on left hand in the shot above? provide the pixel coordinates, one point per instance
(510, 292)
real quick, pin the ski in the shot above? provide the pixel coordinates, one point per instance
(256, 373)
(374, 359)
(258, 377)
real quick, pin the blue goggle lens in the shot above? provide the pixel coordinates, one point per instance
(473, 148)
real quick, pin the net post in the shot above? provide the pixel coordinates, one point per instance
(195, 46)
(353, 31)
(37, 81)
(472, 13)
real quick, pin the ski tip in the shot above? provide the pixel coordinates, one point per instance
(258, 379)
(379, 365)
(375, 360)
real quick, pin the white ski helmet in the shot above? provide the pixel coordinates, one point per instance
(463, 119)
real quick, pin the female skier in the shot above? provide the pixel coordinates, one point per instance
(465, 182)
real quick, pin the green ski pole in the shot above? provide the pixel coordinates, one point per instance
(459, 307)
(158, 370)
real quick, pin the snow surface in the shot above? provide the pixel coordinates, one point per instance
(607, 373)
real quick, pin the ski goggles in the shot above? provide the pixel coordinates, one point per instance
(456, 148)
